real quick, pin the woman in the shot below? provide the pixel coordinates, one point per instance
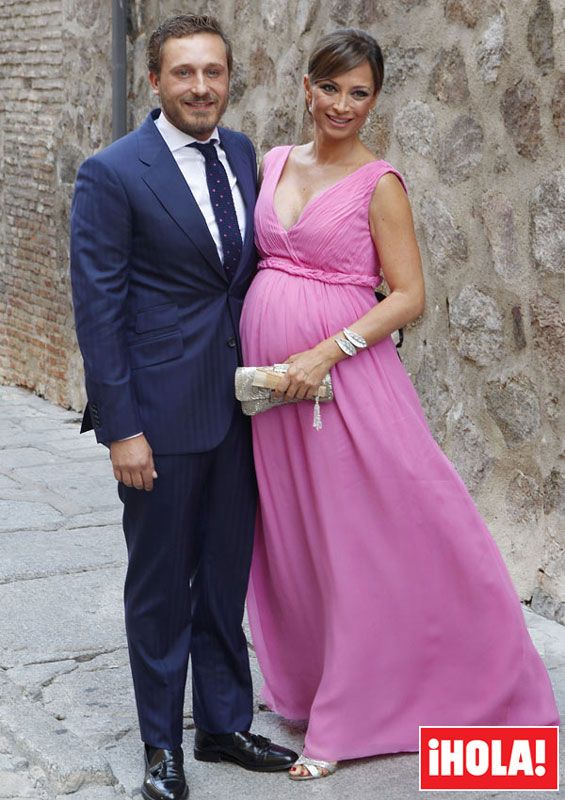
(378, 599)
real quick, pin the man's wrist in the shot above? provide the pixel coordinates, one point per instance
(127, 438)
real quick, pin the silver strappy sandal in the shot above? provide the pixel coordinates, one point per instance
(314, 766)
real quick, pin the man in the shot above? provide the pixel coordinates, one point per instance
(161, 256)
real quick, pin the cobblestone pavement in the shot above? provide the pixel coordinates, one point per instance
(67, 718)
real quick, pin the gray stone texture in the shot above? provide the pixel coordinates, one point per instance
(448, 81)
(476, 326)
(514, 406)
(466, 12)
(416, 128)
(548, 334)
(471, 113)
(558, 105)
(471, 452)
(547, 228)
(461, 150)
(521, 112)
(491, 48)
(497, 214)
(540, 36)
(68, 726)
(446, 242)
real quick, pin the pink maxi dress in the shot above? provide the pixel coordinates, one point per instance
(378, 599)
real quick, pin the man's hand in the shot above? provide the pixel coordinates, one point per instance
(132, 460)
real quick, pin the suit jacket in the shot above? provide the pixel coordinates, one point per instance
(156, 318)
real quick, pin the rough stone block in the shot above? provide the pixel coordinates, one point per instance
(514, 406)
(416, 128)
(476, 325)
(491, 48)
(446, 242)
(448, 81)
(547, 232)
(461, 150)
(540, 36)
(521, 113)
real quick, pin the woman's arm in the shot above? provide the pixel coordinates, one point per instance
(392, 229)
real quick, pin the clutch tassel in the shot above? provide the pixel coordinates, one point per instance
(317, 424)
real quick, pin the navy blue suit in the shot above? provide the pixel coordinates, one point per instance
(157, 322)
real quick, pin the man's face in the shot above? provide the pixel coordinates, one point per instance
(193, 84)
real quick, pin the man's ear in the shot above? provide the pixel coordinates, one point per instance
(154, 81)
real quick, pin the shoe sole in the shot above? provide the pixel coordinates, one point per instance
(215, 757)
(148, 796)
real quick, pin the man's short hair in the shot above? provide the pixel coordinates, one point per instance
(176, 28)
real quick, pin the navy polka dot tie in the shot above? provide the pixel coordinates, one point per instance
(222, 203)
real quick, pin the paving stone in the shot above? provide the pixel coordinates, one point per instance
(62, 756)
(42, 553)
(61, 617)
(97, 518)
(18, 515)
(25, 457)
(86, 484)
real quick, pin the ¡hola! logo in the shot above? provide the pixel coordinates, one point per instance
(471, 758)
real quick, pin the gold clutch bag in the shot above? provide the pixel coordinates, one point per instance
(254, 389)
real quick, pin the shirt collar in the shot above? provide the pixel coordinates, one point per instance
(176, 139)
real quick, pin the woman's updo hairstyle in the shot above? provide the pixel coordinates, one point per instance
(343, 50)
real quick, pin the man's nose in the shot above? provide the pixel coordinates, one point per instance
(199, 85)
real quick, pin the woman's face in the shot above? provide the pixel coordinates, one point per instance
(340, 105)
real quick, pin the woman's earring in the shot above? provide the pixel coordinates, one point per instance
(310, 107)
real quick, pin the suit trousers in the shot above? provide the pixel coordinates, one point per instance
(189, 545)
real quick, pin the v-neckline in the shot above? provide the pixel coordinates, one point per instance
(314, 197)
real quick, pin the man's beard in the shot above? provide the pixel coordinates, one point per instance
(194, 127)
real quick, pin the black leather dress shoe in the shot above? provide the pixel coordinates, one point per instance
(247, 749)
(164, 775)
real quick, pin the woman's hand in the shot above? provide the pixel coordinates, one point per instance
(307, 371)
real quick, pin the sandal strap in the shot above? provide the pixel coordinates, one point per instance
(316, 765)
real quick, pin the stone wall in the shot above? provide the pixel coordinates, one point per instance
(55, 108)
(472, 113)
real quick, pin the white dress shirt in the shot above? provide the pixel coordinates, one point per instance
(193, 167)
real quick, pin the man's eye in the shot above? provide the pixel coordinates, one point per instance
(213, 73)
(183, 73)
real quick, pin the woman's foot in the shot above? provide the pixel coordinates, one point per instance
(306, 768)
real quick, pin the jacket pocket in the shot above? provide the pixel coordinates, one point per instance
(151, 319)
(155, 351)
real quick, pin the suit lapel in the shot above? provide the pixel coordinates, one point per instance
(165, 180)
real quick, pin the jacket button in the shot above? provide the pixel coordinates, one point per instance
(231, 342)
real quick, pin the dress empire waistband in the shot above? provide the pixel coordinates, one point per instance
(337, 278)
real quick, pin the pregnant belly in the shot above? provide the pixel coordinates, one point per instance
(286, 314)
